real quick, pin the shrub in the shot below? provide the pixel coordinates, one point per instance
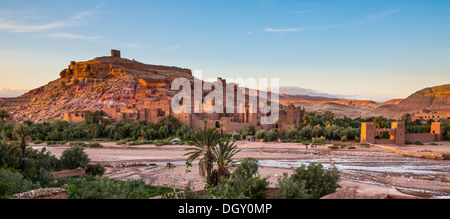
(418, 143)
(105, 188)
(344, 138)
(95, 170)
(94, 145)
(319, 141)
(121, 142)
(9, 155)
(352, 147)
(365, 145)
(237, 137)
(333, 147)
(73, 158)
(318, 181)
(12, 182)
(78, 143)
(243, 183)
(270, 136)
(261, 134)
(37, 142)
(52, 142)
(161, 142)
(289, 188)
(446, 156)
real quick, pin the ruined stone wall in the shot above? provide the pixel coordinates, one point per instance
(69, 173)
(384, 141)
(422, 137)
(48, 193)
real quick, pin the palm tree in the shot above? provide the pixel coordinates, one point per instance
(224, 157)
(329, 116)
(204, 141)
(407, 118)
(309, 118)
(205, 121)
(276, 126)
(22, 133)
(3, 115)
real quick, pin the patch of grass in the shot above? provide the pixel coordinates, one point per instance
(446, 156)
(161, 142)
(78, 143)
(418, 143)
(365, 145)
(94, 145)
(140, 142)
(342, 146)
(154, 191)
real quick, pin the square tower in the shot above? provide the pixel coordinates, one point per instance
(115, 53)
(437, 131)
(399, 132)
(368, 132)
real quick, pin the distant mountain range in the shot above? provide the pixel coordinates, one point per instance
(293, 90)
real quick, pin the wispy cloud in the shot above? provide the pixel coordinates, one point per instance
(369, 18)
(20, 25)
(380, 15)
(296, 29)
(72, 36)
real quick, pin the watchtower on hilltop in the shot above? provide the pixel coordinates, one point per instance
(115, 53)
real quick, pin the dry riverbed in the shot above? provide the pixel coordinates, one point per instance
(374, 172)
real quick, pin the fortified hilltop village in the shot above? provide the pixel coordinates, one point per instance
(122, 87)
(126, 88)
(374, 160)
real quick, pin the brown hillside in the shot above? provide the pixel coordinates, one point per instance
(429, 98)
(90, 85)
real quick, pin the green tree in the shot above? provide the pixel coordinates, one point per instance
(9, 155)
(243, 183)
(23, 134)
(329, 116)
(205, 121)
(204, 141)
(309, 117)
(73, 158)
(407, 119)
(224, 154)
(3, 115)
(318, 182)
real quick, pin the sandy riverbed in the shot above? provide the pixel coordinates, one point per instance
(373, 171)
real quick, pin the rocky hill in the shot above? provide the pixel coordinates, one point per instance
(113, 81)
(90, 85)
(429, 98)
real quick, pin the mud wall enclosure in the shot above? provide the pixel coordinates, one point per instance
(398, 134)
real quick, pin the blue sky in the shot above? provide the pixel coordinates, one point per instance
(377, 49)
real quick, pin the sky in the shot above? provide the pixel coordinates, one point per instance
(361, 49)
